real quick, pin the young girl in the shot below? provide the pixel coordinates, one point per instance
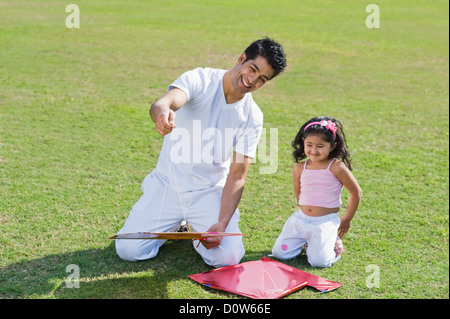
(318, 185)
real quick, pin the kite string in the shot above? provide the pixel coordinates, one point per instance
(165, 188)
(162, 201)
(178, 190)
(273, 282)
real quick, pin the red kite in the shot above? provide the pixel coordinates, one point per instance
(262, 279)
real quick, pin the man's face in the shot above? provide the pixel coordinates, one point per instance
(252, 74)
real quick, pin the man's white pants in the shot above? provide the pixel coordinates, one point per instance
(159, 210)
(318, 232)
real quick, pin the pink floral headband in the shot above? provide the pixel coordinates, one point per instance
(327, 124)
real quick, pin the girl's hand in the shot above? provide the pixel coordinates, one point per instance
(343, 228)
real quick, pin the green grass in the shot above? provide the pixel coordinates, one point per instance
(76, 140)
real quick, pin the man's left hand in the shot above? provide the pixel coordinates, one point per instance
(212, 242)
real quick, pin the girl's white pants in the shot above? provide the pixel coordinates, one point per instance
(159, 210)
(318, 232)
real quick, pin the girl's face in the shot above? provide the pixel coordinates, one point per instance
(316, 148)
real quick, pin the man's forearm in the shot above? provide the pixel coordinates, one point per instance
(231, 196)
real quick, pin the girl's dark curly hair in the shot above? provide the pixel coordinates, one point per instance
(340, 151)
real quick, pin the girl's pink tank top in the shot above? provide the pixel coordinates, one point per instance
(319, 187)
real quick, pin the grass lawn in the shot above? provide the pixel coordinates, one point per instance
(76, 140)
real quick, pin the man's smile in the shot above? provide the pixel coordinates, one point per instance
(245, 83)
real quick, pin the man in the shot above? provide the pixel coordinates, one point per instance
(212, 127)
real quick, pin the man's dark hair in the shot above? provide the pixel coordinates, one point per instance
(269, 49)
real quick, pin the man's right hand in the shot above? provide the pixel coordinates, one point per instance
(163, 110)
(165, 122)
